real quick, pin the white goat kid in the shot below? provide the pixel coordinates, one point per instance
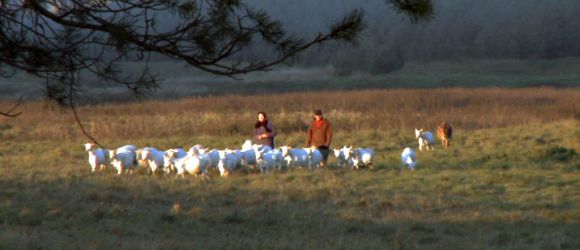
(425, 138)
(409, 158)
(98, 157)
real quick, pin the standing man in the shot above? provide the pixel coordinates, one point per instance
(320, 135)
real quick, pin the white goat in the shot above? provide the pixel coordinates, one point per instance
(124, 158)
(294, 157)
(408, 158)
(227, 162)
(155, 158)
(98, 157)
(239, 158)
(285, 150)
(248, 157)
(278, 158)
(363, 157)
(213, 157)
(141, 163)
(247, 145)
(196, 149)
(248, 154)
(131, 148)
(261, 147)
(178, 163)
(192, 164)
(169, 158)
(264, 163)
(314, 157)
(344, 156)
(425, 138)
(339, 155)
(268, 160)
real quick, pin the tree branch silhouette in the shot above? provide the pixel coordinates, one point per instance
(53, 39)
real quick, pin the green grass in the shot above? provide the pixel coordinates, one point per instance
(562, 72)
(180, 80)
(501, 188)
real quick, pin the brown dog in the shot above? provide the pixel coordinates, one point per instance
(444, 132)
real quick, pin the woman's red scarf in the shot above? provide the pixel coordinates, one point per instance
(319, 123)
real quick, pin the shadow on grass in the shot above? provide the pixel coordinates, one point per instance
(298, 209)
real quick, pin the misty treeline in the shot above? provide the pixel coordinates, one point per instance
(461, 29)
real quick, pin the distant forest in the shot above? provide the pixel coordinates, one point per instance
(461, 29)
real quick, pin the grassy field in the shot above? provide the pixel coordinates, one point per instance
(509, 181)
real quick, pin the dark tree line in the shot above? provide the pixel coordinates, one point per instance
(461, 29)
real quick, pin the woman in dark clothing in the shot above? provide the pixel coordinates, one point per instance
(265, 131)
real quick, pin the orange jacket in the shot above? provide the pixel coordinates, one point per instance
(318, 136)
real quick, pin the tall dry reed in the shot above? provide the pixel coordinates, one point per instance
(391, 109)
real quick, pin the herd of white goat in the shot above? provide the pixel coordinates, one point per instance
(199, 159)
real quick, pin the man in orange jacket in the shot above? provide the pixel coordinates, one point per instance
(320, 135)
